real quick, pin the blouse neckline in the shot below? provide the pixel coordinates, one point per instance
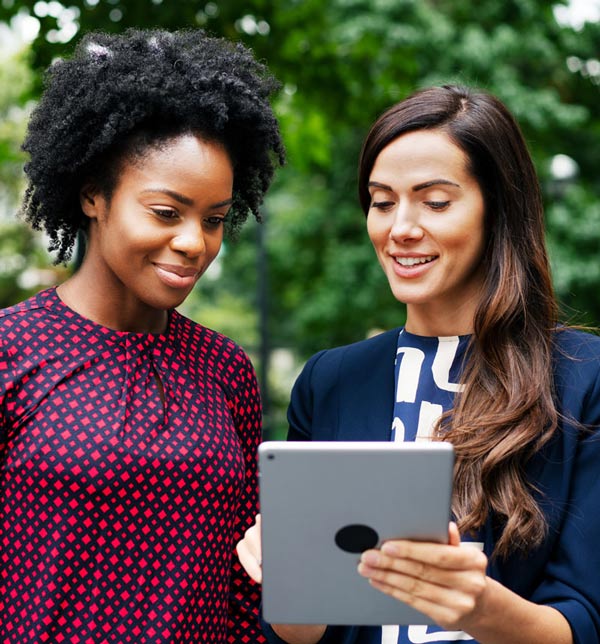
(50, 298)
(433, 338)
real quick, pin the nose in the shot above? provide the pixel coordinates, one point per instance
(189, 239)
(405, 225)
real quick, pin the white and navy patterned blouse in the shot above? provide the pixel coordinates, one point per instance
(427, 377)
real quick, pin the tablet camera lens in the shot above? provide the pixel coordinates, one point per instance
(356, 538)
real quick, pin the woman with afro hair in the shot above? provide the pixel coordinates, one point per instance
(128, 432)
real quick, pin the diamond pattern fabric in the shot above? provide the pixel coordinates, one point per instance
(127, 475)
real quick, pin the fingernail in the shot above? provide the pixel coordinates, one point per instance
(370, 558)
(388, 548)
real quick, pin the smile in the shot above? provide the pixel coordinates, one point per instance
(412, 261)
(177, 276)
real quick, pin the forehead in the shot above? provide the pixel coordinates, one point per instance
(184, 157)
(187, 145)
(420, 156)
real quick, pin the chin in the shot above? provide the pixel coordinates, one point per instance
(410, 298)
(165, 303)
(173, 304)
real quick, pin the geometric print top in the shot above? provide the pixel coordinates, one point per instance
(121, 501)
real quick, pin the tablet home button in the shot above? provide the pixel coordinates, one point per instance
(356, 538)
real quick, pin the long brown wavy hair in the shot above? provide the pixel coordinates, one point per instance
(506, 411)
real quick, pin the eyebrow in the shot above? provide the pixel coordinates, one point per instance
(383, 186)
(434, 182)
(186, 201)
(420, 186)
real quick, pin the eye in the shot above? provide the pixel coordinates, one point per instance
(165, 213)
(437, 205)
(215, 221)
(382, 205)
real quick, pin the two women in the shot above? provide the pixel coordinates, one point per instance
(454, 212)
(127, 432)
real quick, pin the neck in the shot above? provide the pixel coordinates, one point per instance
(427, 322)
(104, 306)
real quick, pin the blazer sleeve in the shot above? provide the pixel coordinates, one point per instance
(571, 581)
(302, 400)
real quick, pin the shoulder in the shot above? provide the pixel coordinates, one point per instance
(363, 349)
(218, 353)
(577, 373)
(356, 356)
(17, 311)
(23, 328)
(25, 319)
(575, 340)
(576, 350)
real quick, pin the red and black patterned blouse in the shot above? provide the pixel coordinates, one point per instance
(119, 513)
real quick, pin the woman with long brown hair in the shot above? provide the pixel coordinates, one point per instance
(455, 215)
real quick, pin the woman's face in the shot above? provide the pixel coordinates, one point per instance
(163, 226)
(426, 223)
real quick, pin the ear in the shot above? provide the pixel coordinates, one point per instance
(92, 202)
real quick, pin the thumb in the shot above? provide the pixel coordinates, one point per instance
(453, 534)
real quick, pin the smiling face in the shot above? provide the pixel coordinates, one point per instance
(160, 230)
(426, 223)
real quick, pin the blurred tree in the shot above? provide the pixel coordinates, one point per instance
(24, 268)
(23, 263)
(15, 90)
(342, 62)
(342, 65)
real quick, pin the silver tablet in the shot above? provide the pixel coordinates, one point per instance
(323, 503)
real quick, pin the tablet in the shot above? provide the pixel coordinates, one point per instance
(323, 503)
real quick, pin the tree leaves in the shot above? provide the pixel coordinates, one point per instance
(341, 63)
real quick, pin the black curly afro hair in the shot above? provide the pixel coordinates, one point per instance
(120, 95)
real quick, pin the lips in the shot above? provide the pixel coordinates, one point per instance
(412, 266)
(177, 276)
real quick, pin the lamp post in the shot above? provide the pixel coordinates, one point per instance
(264, 349)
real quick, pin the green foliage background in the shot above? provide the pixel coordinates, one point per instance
(341, 63)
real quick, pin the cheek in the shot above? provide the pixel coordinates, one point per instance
(468, 250)
(136, 234)
(466, 235)
(377, 233)
(214, 244)
(477, 238)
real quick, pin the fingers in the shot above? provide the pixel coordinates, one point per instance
(443, 581)
(249, 562)
(449, 612)
(437, 555)
(250, 553)
(442, 564)
(420, 578)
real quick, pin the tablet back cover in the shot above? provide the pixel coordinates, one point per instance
(322, 503)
